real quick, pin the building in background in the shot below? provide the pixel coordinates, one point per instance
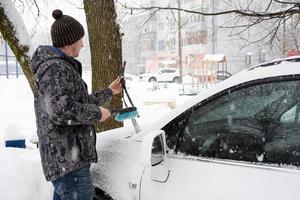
(251, 46)
(155, 43)
(154, 40)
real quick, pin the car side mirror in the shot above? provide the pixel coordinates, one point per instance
(158, 153)
(154, 157)
(153, 150)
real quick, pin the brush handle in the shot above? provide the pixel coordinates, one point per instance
(136, 126)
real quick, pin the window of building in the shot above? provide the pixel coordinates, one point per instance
(160, 26)
(199, 37)
(161, 45)
(263, 55)
(147, 45)
(249, 58)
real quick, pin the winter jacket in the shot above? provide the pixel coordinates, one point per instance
(65, 112)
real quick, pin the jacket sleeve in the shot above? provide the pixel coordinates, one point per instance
(100, 97)
(57, 86)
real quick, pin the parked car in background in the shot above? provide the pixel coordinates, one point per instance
(239, 139)
(130, 79)
(163, 75)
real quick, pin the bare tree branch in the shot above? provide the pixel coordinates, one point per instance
(272, 16)
(287, 2)
(9, 34)
(248, 13)
(269, 5)
(37, 7)
(149, 18)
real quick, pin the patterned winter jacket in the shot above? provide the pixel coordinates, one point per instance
(65, 112)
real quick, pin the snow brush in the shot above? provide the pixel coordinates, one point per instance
(123, 114)
(128, 112)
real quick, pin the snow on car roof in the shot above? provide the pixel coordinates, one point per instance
(278, 61)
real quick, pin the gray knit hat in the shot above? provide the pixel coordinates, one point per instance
(65, 30)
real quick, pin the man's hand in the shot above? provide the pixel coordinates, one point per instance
(116, 86)
(105, 114)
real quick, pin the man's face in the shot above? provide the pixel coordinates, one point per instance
(76, 47)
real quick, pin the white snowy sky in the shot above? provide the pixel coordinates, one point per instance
(38, 27)
(41, 24)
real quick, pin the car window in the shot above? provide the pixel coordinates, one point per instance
(168, 71)
(239, 108)
(292, 115)
(259, 123)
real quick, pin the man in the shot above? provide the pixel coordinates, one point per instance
(65, 112)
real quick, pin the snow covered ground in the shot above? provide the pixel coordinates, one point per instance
(21, 175)
(20, 170)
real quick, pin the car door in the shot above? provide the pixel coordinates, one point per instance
(162, 74)
(242, 143)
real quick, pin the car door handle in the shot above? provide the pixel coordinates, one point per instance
(132, 185)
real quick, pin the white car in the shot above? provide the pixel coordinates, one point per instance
(163, 75)
(238, 140)
(130, 79)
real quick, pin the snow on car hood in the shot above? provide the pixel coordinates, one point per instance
(118, 160)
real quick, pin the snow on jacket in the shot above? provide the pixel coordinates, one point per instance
(65, 112)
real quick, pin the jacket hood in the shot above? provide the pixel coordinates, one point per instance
(42, 54)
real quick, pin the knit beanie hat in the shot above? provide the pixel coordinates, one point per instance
(65, 30)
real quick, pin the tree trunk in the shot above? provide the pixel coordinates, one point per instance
(106, 50)
(7, 29)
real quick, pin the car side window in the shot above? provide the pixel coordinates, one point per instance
(258, 123)
(167, 71)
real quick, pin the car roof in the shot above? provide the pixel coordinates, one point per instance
(278, 61)
(276, 68)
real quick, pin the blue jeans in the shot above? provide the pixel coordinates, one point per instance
(74, 185)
